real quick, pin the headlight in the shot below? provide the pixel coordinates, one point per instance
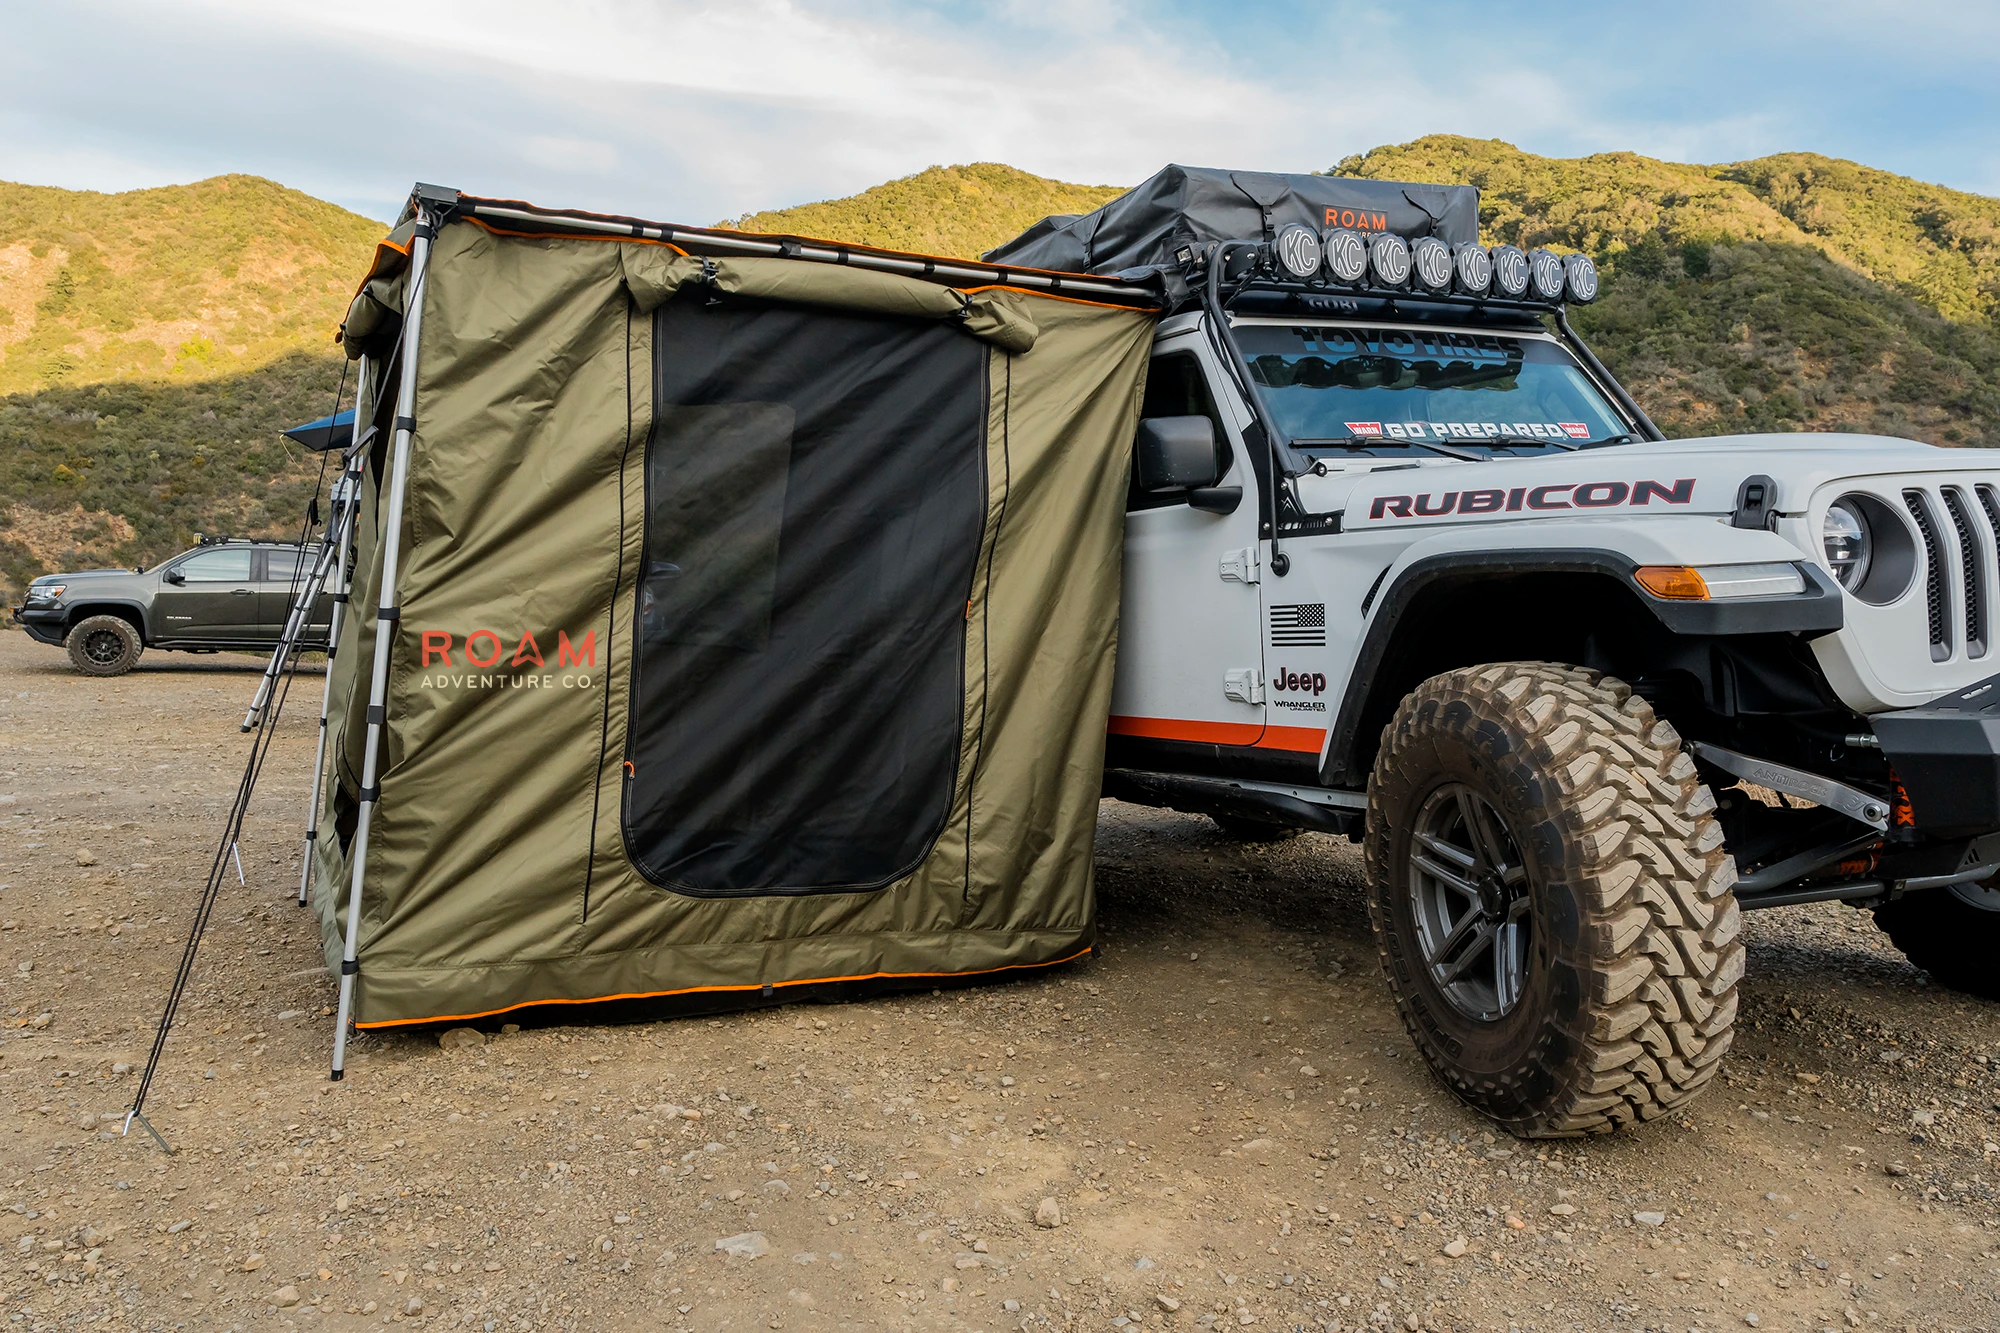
(1546, 274)
(1850, 546)
(1298, 250)
(1474, 268)
(1431, 258)
(47, 591)
(1580, 278)
(1346, 255)
(1389, 259)
(1510, 271)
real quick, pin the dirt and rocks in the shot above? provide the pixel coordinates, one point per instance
(1215, 1123)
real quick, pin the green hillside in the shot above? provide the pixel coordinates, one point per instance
(187, 282)
(957, 211)
(1793, 292)
(153, 343)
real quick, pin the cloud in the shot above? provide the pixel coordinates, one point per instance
(555, 152)
(693, 110)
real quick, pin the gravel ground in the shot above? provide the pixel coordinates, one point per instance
(1215, 1123)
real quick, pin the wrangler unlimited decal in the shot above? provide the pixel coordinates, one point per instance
(1566, 495)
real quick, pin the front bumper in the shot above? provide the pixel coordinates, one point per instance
(1947, 756)
(44, 624)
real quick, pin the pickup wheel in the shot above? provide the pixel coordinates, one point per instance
(1551, 898)
(104, 646)
(1952, 933)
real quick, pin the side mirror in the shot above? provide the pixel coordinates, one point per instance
(1176, 453)
(175, 577)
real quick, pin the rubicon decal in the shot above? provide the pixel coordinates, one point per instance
(495, 667)
(1562, 495)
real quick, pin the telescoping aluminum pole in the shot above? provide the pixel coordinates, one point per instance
(387, 616)
(346, 492)
(295, 624)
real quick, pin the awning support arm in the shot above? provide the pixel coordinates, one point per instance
(346, 493)
(388, 619)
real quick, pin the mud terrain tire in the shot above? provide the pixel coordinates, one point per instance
(1624, 990)
(103, 646)
(1952, 933)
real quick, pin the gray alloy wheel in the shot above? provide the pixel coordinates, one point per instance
(1469, 899)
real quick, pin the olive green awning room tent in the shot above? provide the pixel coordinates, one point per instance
(731, 617)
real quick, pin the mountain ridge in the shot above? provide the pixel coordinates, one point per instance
(140, 396)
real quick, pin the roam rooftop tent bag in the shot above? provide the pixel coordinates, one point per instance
(733, 615)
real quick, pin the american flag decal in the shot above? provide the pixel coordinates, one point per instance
(1299, 626)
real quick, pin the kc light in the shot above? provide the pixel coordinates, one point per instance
(1580, 278)
(1705, 583)
(1545, 275)
(1510, 272)
(1849, 544)
(1298, 250)
(1346, 255)
(1473, 269)
(1389, 259)
(1430, 258)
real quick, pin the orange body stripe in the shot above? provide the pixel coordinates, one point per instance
(702, 990)
(1302, 739)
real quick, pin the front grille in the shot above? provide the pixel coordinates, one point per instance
(1958, 526)
(1935, 591)
(1971, 567)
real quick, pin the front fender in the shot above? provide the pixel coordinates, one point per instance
(1605, 551)
(1618, 549)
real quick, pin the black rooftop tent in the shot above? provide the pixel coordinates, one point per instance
(1145, 228)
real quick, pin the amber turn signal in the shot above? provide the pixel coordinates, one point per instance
(1678, 582)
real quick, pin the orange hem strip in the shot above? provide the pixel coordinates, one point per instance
(699, 990)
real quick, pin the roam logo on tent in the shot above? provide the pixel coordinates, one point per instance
(491, 666)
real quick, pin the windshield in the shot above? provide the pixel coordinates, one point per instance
(1371, 390)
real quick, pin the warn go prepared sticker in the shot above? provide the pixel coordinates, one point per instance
(1468, 430)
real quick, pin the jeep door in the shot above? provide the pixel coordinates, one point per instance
(283, 569)
(1190, 668)
(214, 600)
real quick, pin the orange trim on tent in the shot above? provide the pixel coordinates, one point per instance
(647, 240)
(1051, 296)
(1307, 740)
(775, 236)
(566, 235)
(703, 990)
(374, 267)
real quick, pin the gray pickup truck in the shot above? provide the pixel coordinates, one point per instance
(225, 594)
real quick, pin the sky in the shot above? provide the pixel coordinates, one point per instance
(686, 111)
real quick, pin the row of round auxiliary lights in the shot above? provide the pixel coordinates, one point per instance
(1385, 260)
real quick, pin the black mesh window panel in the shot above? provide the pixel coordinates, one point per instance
(815, 492)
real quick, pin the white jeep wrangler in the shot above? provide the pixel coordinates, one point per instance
(1405, 563)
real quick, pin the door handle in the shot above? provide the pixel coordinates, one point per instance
(240, 592)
